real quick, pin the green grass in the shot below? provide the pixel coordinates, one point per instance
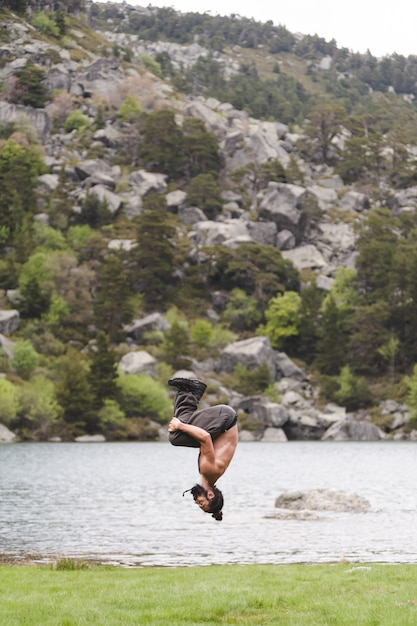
(313, 595)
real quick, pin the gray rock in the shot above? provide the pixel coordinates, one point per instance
(103, 194)
(38, 118)
(232, 196)
(247, 435)
(138, 328)
(90, 439)
(191, 215)
(285, 240)
(6, 435)
(324, 283)
(282, 203)
(139, 362)
(305, 257)
(326, 197)
(213, 121)
(122, 244)
(132, 205)
(350, 429)
(322, 500)
(58, 78)
(288, 368)
(43, 218)
(109, 136)
(85, 169)
(354, 201)
(233, 141)
(210, 233)
(47, 183)
(100, 77)
(265, 142)
(176, 198)
(7, 345)
(333, 181)
(264, 233)
(269, 414)
(9, 321)
(148, 181)
(252, 353)
(274, 435)
(100, 178)
(326, 63)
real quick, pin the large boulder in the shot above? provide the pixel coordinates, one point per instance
(144, 182)
(251, 141)
(211, 233)
(264, 233)
(38, 118)
(90, 439)
(287, 368)
(322, 500)
(214, 122)
(335, 238)
(191, 215)
(267, 413)
(252, 353)
(138, 328)
(305, 257)
(283, 204)
(354, 201)
(6, 435)
(139, 362)
(275, 435)
(175, 199)
(350, 429)
(9, 321)
(109, 136)
(326, 197)
(103, 194)
(47, 183)
(101, 77)
(89, 167)
(7, 345)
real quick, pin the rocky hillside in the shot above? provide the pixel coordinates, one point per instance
(261, 222)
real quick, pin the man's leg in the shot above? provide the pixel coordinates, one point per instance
(193, 385)
(189, 392)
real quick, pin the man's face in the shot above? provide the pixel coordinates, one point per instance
(202, 501)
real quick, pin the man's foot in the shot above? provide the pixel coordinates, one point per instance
(197, 387)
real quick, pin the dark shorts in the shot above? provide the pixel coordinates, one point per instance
(215, 420)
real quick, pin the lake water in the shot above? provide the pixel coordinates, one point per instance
(121, 503)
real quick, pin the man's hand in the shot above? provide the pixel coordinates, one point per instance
(174, 425)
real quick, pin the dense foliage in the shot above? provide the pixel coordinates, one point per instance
(76, 294)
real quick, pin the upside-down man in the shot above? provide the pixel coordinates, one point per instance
(213, 430)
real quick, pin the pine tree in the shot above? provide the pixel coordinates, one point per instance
(154, 254)
(204, 192)
(113, 304)
(161, 147)
(332, 338)
(32, 92)
(201, 149)
(103, 371)
(74, 394)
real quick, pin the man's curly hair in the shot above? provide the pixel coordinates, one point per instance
(215, 504)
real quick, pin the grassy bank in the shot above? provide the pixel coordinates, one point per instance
(313, 595)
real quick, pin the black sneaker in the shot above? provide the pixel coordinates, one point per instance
(197, 387)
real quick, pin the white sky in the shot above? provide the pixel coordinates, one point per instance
(382, 26)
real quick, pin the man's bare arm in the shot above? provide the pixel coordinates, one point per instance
(197, 433)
